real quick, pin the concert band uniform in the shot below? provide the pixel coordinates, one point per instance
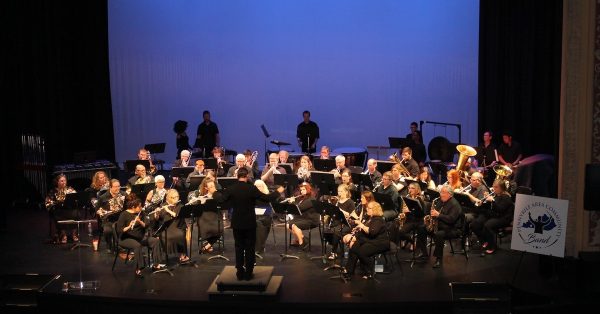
(447, 211)
(337, 228)
(55, 204)
(414, 222)
(388, 188)
(309, 218)
(175, 232)
(108, 208)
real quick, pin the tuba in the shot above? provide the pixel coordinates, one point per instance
(465, 152)
(403, 170)
(502, 173)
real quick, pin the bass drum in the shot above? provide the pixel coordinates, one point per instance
(440, 149)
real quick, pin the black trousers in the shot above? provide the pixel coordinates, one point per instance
(406, 234)
(263, 227)
(439, 237)
(245, 240)
(485, 228)
(363, 252)
(137, 246)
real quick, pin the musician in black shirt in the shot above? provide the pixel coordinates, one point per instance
(509, 152)
(447, 211)
(207, 136)
(498, 215)
(307, 134)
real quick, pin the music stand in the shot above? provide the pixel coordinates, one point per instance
(431, 194)
(130, 165)
(162, 228)
(386, 202)
(79, 285)
(324, 164)
(463, 199)
(142, 190)
(285, 209)
(334, 213)
(417, 211)
(324, 181)
(267, 135)
(190, 212)
(195, 182)
(210, 163)
(181, 172)
(289, 167)
(290, 181)
(226, 182)
(384, 166)
(399, 142)
(363, 180)
(211, 206)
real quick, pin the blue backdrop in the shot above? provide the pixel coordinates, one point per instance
(364, 68)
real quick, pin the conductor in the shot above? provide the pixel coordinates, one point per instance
(243, 195)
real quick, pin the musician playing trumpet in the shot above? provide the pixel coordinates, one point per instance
(240, 162)
(131, 230)
(447, 211)
(340, 166)
(108, 208)
(305, 168)
(271, 169)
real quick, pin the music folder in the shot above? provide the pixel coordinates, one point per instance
(142, 190)
(286, 208)
(385, 200)
(414, 206)
(362, 179)
(181, 172)
(288, 167)
(325, 181)
(384, 166)
(324, 164)
(285, 180)
(210, 163)
(195, 182)
(131, 164)
(226, 182)
(399, 142)
(157, 148)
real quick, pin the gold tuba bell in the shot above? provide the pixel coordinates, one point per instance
(502, 172)
(465, 152)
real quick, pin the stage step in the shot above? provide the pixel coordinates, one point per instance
(20, 291)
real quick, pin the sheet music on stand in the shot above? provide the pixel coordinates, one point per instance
(81, 284)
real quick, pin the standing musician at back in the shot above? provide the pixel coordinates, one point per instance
(307, 134)
(413, 221)
(309, 219)
(486, 156)
(388, 188)
(271, 169)
(175, 237)
(304, 169)
(207, 136)
(208, 225)
(108, 208)
(447, 211)
(347, 207)
(131, 230)
(509, 152)
(340, 166)
(140, 177)
(240, 163)
(55, 204)
(157, 195)
(499, 215)
(374, 175)
(367, 239)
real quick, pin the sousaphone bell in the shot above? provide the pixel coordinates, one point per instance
(465, 152)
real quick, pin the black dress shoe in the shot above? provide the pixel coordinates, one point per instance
(438, 263)
(421, 256)
(248, 276)
(304, 246)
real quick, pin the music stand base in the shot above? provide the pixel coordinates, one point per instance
(166, 270)
(79, 245)
(80, 285)
(218, 256)
(339, 277)
(286, 256)
(334, 266)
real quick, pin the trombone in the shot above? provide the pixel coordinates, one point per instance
(403, 170)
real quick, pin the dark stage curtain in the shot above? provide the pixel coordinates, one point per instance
(519, 71)
(55, 72)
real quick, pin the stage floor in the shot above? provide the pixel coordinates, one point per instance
(305, 284)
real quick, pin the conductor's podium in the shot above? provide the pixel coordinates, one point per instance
(264, 286)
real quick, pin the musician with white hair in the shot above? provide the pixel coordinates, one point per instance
(240, 162)
(272, 168)
(183, 161)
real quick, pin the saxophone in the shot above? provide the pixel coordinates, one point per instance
(431, 223)
(401, 220)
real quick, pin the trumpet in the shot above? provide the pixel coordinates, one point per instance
(253, 158)
(466, 189)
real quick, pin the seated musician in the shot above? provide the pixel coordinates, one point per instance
(283, 156)
(144, 154)
(175, 237)
(156, 196)
(346, 177)
(325, 153)
(340, 166)
(263, 222)
(208, 224)
(108, 208)
(309, 218)
(100, 184)
(219, 154)
(453, 182)
(198, 171)
(140, 177)
(397, 177)
(304, 170)
(476, 191)
(346, 205)
(183, 161)
(240, 162)
(446, 210)
(251, 163)
(414, 222)
(55, 204)
(498, 215)
(374, 175)
(425, 177)
(409, 163)
(367, 239)
(388, 188)
(131, 230)
(271, 169)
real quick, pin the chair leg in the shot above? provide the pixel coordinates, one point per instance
(451, 246)
(273, 231)
(115, 260)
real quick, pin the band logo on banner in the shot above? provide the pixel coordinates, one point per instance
(540, 225)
